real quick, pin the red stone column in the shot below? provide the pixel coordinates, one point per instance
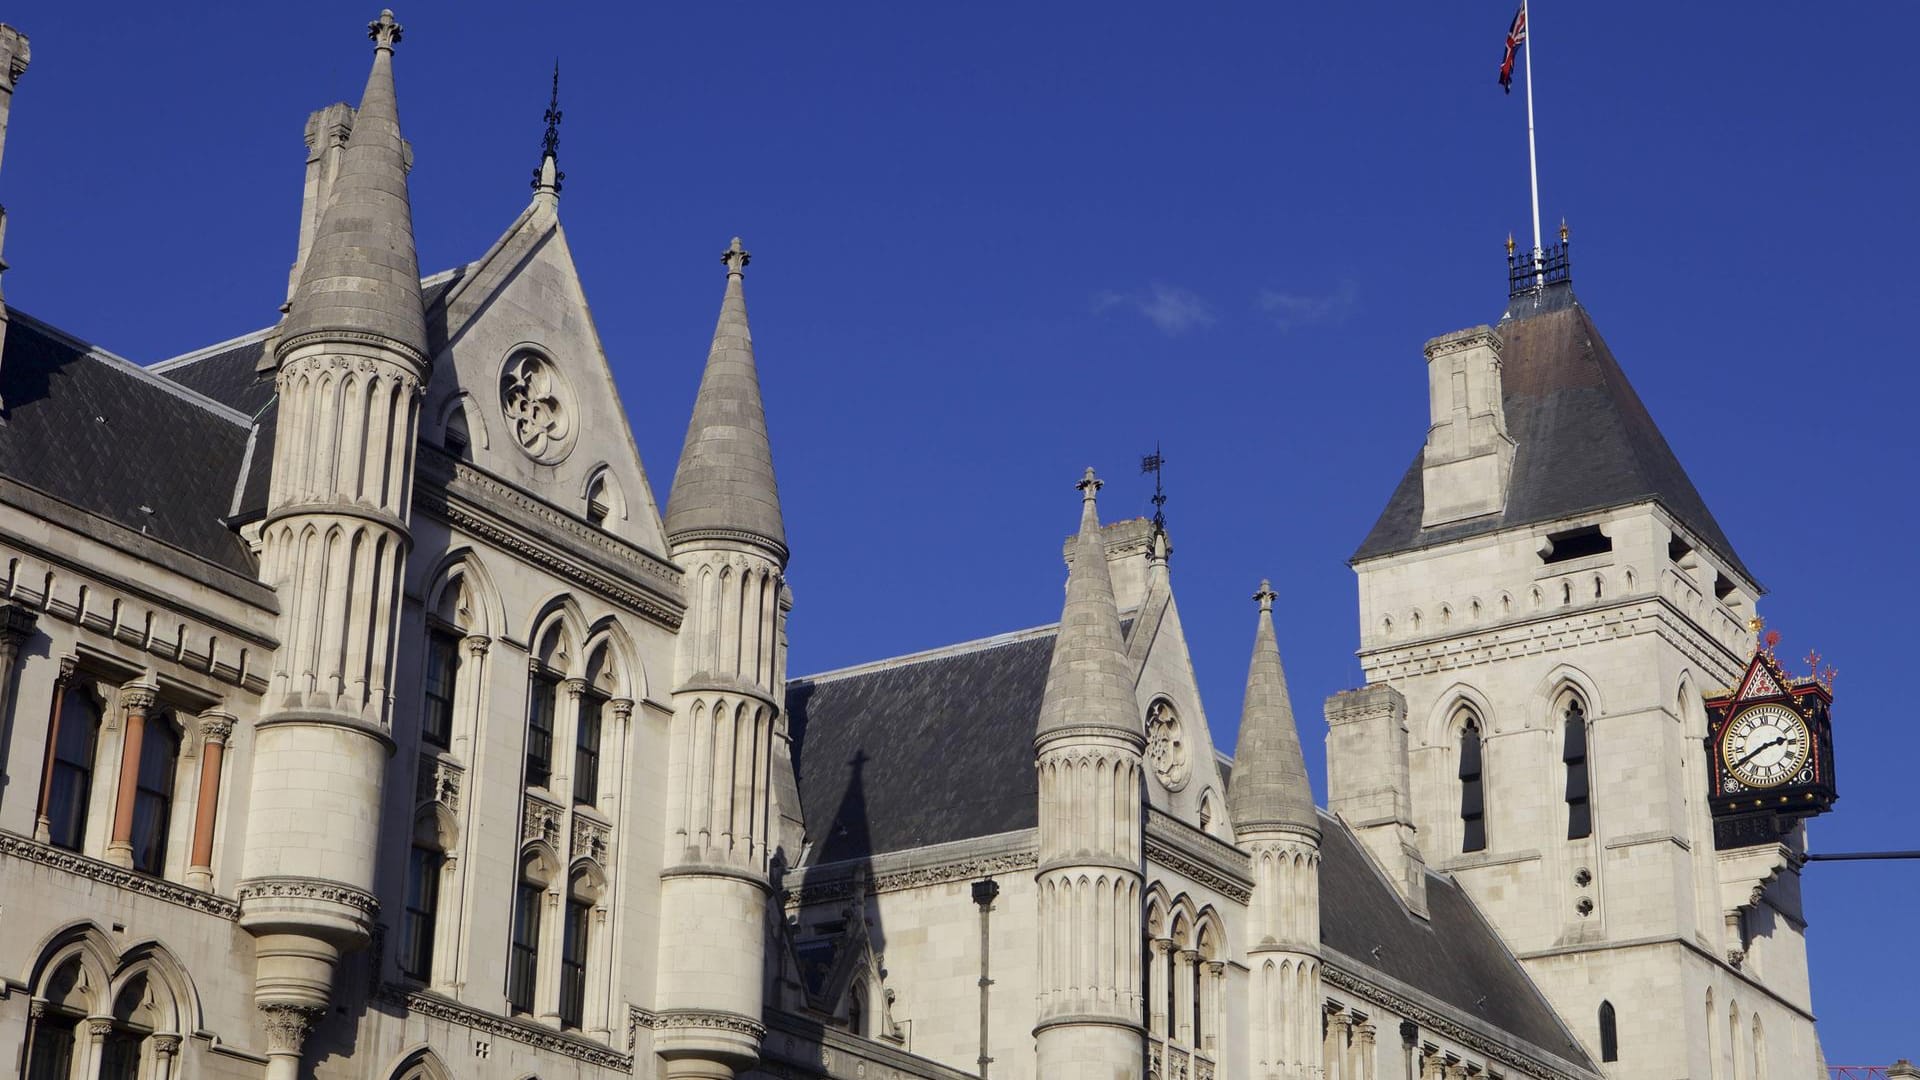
(42, 825)
(138, 699)
(215, 727)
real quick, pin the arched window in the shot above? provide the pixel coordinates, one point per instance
(443, 669)
(153, 795)
(71, 785)
(420, 915)
(132, 1022)
(1473, 806)
(456, 438)
(573, 957)
(1609, 1033)
(1573, 754)
(543, 697)
(857, 1012)
(523, 955)
(56, 1032)
(586, 749)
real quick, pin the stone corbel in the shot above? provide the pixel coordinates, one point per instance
(1745, 874)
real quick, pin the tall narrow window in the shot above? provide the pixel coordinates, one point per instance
(153, 796)
(72, 782)
(586, 751)
(120, 1054)
(418, 918)
(1573, 754)
(573, 961)
(524, 956)
(443, 665)
(540, 709)
(1609, 1033)
(53, 1039)
(1473, 806)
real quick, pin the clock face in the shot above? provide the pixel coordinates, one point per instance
(1766, 745)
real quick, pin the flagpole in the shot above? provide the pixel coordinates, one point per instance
(1533, 157)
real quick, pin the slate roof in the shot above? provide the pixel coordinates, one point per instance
(102, 434)
(1454, 954)
(938, 747)
(1583, 440)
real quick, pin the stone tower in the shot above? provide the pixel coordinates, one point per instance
(1551, 597)
(1275, 822)
(351, 358)
(724, 526)
(1087, 749)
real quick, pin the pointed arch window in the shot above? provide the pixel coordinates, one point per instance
(443, 670)
(586, 749)
(573, 959)
(419, 917)
(1609, 1033)
(1573, 755)
(153, 796)
(1473, 806)
(542, 705)
(523, 956)
(71, 785)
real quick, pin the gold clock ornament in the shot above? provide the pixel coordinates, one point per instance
(1766, 745)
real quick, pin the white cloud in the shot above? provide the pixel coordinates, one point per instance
(1173, 309)
(1289, 310)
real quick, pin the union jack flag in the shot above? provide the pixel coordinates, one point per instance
(1516, 37)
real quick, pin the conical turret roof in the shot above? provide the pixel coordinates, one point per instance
(1088, 684)
(1269, 785)
(362, 275)
(725, 481)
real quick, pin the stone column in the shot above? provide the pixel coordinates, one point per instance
(1334, 1055)
(1157, 985)
(165, 1048)
(287, 1030)
(566, 733)
(138, 701)
(1366, 1051)
(215, 727)
(89, 1047)
(1182, 1028)
(1214, 1010)
(16, 626)
(473, 696)
(43, 825)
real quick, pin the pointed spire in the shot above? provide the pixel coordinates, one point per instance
(362, 275)
(548, 177)
(1269, 785)
(725, 483)
(1088, 683)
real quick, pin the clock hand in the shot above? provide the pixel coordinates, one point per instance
(1751, 754)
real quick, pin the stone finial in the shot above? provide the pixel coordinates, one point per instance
(1265, 597)
(548, 176)
(1090, 485)
(736, 258)
(384, 32)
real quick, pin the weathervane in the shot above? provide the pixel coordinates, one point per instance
(550, 142)
(1153, 463)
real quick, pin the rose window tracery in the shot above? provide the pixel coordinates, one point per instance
(1167, 746)
(538, 404)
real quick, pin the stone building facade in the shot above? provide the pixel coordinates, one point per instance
(366, 715)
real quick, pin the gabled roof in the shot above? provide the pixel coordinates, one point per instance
(1583, 441)
(102, 434)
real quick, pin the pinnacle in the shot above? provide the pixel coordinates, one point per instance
(1088, 684)
(1269, 785)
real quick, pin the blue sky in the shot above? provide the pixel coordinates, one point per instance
(997, 243)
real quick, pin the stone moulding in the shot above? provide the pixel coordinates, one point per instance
(302, 888)
(1339, 972)
(19, 847)
(433, 1005)
(838, 883)
(1202, 859)
(1654, 615)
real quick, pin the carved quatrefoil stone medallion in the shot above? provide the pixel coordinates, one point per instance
(1167, 746)
(539, 406)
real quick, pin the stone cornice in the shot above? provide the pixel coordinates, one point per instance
(480, 505)
(427, 1003)
(1205, 860)
(1346, 974)
(1612, 621)
(967, 860)
(13, 846)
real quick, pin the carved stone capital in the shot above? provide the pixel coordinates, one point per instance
(68, 665)
(138, 699)
(37, 1008)
(16, 626)
(622, 708)
(477, 645)
(1365, 1033)
(216, 727)
(166, 1045)
(574, 687)
(99, 1026)
(288, 1026)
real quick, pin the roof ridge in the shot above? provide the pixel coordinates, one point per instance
(127, 367)
(938, 652)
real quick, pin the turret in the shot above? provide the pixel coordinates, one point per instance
(724, 527)
(1469, 455)
(1275, 822)
(1088, 752)
(350, 363)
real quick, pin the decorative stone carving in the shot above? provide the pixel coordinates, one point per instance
(1167, 746)
(541, 821)
(166, 1045)
(439, 780)
(99, 1026)
(68, 862)
(216, 727)
(288, 1026)
(296, 888)
(590, 839)
(538, 404)
(429, 1004)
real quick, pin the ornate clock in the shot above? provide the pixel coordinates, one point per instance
(1770, 751)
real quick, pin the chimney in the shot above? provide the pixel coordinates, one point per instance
(1469, 454)
(14, 57)
(1132, 558)
(1368, 785)
(327, 131)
